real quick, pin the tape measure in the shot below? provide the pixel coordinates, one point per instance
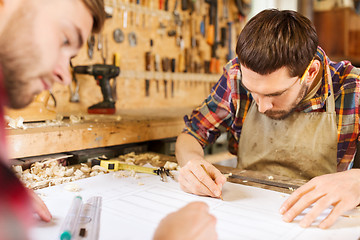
(115, 165)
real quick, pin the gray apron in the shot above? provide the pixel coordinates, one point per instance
(302, 146)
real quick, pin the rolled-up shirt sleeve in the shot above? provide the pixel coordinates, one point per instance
(213, 116)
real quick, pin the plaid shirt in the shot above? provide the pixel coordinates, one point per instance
(226, 107)
(15, 211)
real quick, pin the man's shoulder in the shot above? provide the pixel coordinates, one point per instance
(345, 75)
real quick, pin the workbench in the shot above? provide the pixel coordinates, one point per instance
(133, 204)
(128, 126)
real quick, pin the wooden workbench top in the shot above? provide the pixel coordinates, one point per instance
(93, 131)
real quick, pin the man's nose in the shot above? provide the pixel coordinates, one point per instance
(264, 104)
(62, 71)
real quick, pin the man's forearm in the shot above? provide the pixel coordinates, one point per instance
(187, 148)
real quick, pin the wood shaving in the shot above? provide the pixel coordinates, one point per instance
(227, 175)
(291, 189)
(98, 168)
(121, 174)
(17, 123)
(72, 187)
(75, 119)
(140, 159)
(270, 177)
(50, 173)
(171, 165)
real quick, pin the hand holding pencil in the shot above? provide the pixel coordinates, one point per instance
(201, 178)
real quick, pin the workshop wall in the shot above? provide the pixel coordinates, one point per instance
(143, 28)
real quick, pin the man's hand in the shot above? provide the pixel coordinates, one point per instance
(194, 179)
(39, 206)
(190, 222)
(342, 190)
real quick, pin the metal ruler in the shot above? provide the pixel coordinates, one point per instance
(265, 182)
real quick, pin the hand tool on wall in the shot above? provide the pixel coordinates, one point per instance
(225, 10)
(137, 21)
(157, 68)
(116, 62)
(211, 31)
(161, 4)
(91, 45)
(243, 6)
(131, 13)
(165, 62)
(74, 93)
(173, 67)
(100, 42)
(148, 59)
(118, 35)
(147, 68)
(178, 23)
(212, 38)
(184, 5)
(223, 36)
(132, 39)
(166, 5)
(202, 26)
(115, 165)
(230, 54)
(102, 74)
(125, 15)
(104, 51)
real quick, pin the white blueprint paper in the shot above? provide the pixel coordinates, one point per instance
(132, 208)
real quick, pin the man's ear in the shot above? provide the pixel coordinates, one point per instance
(313, 71)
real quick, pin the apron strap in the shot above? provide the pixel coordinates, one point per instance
(330, 101)
(356, 163)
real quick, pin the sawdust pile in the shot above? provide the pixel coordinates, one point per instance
(51, 172)
(140, 159)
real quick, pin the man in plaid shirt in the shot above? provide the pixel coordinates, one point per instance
(291, 111)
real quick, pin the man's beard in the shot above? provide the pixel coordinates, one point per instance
(282, 114)
(19, 56)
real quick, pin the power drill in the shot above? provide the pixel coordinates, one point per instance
(102, 74)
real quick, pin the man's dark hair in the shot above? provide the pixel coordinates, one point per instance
(96, 8)
(273, 39)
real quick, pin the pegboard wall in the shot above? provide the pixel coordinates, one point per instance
(156, 30)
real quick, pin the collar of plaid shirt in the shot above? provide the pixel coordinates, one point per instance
(318, 101)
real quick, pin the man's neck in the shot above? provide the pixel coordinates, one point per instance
(315, 85)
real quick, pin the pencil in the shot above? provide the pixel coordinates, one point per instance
(211, 178)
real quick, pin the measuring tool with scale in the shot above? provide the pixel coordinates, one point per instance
(115, 165)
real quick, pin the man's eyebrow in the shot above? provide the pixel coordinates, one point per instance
(80, 37)
(278, 93)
